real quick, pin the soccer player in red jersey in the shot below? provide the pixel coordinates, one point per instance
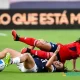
(66, 52)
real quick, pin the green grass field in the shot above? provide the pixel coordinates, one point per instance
(64, 36)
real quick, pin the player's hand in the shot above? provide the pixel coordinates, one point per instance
(75, 70)
(57, 50)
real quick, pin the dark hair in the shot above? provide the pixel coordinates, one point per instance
(64, 69)
(78, 40)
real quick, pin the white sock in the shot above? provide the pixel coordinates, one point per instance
(16, 60)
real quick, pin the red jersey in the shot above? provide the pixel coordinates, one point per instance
(69, 51)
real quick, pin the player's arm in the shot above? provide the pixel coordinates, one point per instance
(74, 66)
(53, 58)
(74, 61)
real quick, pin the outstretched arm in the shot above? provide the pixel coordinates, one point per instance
(53, 58)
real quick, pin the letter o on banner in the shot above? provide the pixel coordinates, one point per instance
(5, 19)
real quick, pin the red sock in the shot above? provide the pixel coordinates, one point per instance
(41, 54)
(29, 41)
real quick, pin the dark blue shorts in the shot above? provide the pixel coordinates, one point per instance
(53, 49)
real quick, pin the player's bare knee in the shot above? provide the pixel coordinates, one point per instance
(26, 55)
(7, 49)
(39, 44)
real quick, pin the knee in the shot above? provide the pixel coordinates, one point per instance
(40, 43)
(26, 55)
(6, 49)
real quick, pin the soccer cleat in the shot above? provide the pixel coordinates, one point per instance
(15, 36)
(25, 50)
(7, 59)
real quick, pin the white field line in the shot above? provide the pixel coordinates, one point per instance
(3, 34)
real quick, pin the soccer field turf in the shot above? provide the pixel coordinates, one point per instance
(64, 36)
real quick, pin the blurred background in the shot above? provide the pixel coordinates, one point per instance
(50, 4)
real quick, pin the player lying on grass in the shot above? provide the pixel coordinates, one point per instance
(66, 52)
(26, 63)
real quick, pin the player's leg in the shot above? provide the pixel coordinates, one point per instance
(28, 60)
(38, 53)
(12, 52)
(32, 42)
(29, 63)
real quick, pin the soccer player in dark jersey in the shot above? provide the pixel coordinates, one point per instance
(27, 63)
(66, 52)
